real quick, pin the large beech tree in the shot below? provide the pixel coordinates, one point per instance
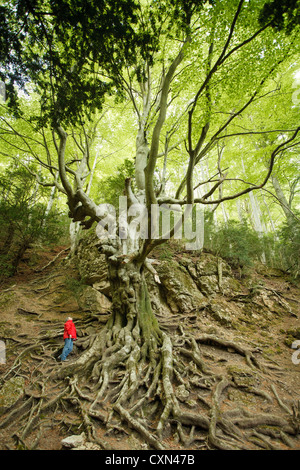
(191, 70)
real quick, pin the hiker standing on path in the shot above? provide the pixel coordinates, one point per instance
(69, 336)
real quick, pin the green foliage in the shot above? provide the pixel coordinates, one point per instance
(289, 247)
(23, 218)
(81, 56)
(234, 241)
(242, 246)
(69, 44)
(113, 186)
(283, 14)
(75, 286)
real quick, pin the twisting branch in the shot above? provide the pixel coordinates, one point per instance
(153, 153)
(203, 199)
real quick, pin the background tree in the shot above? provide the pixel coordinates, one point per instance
(25, 217)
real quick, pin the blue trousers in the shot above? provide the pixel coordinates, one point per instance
(68, 347)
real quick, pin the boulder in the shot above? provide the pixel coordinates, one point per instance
(221, 314)
(11, 392)
(71, 442)
(94, 301)
(208, 285)
(103, 286)
(205, 273)
(91, 264)
(225, 313)
(292, 335)
(181, 292)
(207, 265)
(79, 442)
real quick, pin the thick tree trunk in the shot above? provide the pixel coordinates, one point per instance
(131, 304)
(132, 328)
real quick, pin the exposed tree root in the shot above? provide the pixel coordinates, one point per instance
(138, 375)
(157, 386)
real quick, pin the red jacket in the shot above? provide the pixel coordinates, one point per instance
(70, 329)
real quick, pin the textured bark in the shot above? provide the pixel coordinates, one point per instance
(282, 199)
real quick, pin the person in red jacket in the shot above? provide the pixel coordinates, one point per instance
(70, 335)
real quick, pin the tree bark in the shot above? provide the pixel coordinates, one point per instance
(130, 298)
(282, 199)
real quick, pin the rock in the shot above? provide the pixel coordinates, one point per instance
(292, 335)
(103, 287)
(91, 264)
(230, 286)
(221, 313)
(74, 441)
(243, 377)
(11, 392)
(182, 393)
(205, 273)
(208, 285)
(88, 446)
(207, 265)
(267, 271)
(180, 290)
(94, 301)
(295, 332)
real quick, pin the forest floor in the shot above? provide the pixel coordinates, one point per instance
(33, 308)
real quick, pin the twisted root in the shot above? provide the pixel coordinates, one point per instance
(122, 382)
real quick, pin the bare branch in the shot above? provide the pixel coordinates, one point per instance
(204, 200)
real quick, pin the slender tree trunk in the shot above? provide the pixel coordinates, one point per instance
(18, 253)
(142, 148)
(50, 204)
(268, 212)
(74, 232)
(239, 210)
(282, 199)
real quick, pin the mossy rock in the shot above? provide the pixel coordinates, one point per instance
(93, 301)
(91, 264)
(294, 332)
(207, 265)
(208, 285)
(11, 392)
(291, 335)
(243, 376)
(180, 290)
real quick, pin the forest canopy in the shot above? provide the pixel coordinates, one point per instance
(201, 98)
